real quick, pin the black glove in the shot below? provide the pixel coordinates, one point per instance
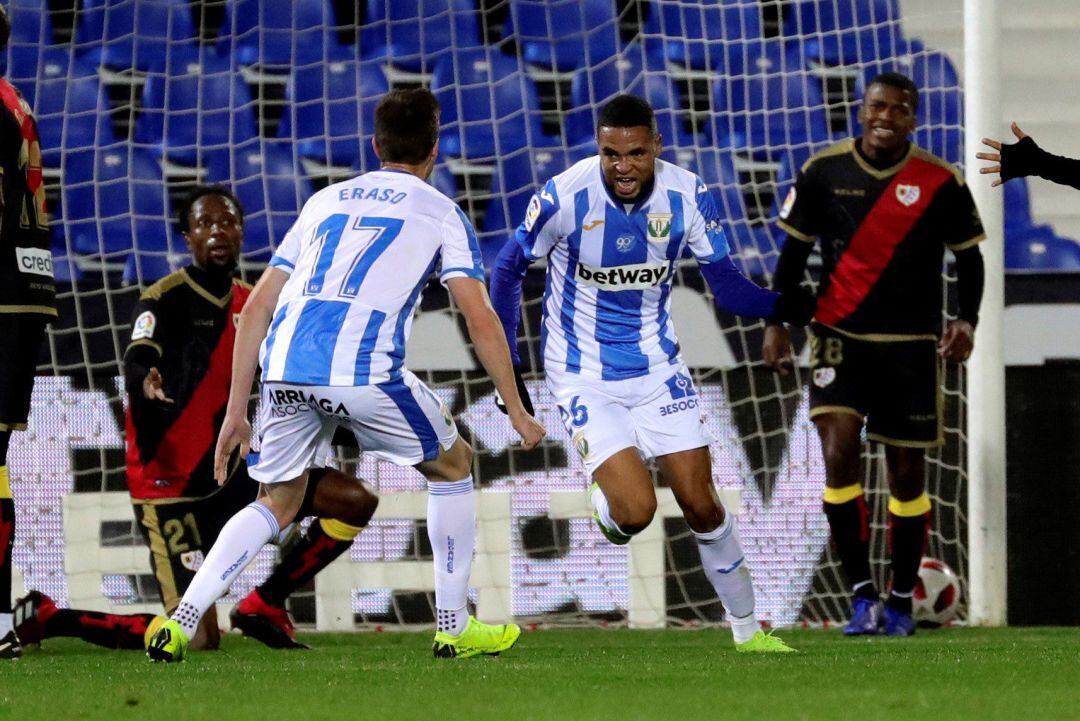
(522, 391)
(794, 306)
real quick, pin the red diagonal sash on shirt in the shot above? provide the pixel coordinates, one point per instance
(874, 243)
(195, 432)
(34, 178)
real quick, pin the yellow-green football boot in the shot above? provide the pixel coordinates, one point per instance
(168, 643)
(619, 539)
(762, 642)
(477, 639)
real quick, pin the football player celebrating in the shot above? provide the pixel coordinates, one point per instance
(612, 228)
(885, 211)
(177, 369)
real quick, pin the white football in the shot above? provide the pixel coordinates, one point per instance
(937, 593)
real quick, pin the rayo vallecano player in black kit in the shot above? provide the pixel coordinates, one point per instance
(884, 211)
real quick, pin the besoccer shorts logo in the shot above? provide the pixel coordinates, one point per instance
(824, 376)
(659, 225)
(680, 386)
(144, 326)
(908, 195)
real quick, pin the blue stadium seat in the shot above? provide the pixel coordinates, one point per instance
(751, 245)
(631, 71)
(278, 33)
(65, 267)
(944, 142)
(846, 32)
(115, 199)
(271, 189)
(708, 35)
(444, 181)
(489, 106)
(1039, 248)
(139, 34)
(31, 34)
(194, 113)
(516, 179)
(415, 35)
(564, 35)
(1017, 204)
(777, 105)
(330, 111)
(146, 268)
(72, 113)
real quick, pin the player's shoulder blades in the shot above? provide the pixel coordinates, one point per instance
(836, 150)
(160, 289)
(927, 157)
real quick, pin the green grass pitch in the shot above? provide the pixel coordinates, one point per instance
(944, 675)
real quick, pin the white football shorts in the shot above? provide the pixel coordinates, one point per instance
(658, 414)
(400, 421)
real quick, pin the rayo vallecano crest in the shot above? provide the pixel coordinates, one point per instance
(908, 194)
(659, 225)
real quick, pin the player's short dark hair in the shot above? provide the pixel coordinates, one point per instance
(201, 191)
(627, 111)
(900, 82)
(5, 28)
(407, 125)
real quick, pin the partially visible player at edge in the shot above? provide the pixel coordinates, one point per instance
(885, 211)
(176, 372)
(27, 301)
(612, 228)
(338, 300)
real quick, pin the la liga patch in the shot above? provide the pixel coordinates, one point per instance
(144, 326)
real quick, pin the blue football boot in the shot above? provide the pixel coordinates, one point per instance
(865, 617)
(897, 623)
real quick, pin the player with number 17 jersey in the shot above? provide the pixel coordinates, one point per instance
(358, 260)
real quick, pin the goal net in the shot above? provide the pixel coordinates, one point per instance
(137, 100)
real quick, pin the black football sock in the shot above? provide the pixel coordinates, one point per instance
(909, 528)
(849, 522)
(7, 525)
(324, 541)
(110, 630)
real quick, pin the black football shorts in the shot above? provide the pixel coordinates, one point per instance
(893, 384)
(20, 345)
(181, 532)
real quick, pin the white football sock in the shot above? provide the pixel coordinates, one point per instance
(451, 525)
(242, 537)
(725, 567)
(6, 623)
(600, 505)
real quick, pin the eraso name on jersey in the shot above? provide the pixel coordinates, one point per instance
(624, 277)
(383, 195)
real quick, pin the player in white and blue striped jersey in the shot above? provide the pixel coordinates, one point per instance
(612, 228)
(332, 315)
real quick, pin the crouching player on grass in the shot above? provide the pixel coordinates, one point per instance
(177, 370)
(612, 228)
